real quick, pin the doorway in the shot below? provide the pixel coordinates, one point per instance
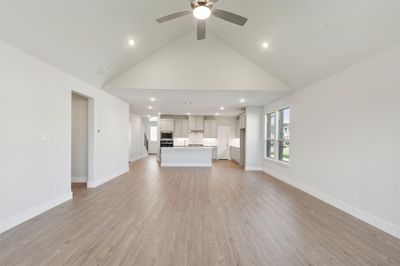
(152, 136)
(223, 140)
(81, 157)
(242, 147)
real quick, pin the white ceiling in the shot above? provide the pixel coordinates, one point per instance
(309, 39)
(80, 37)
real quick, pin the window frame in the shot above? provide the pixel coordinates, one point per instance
(278, 136)
(281, 132)
(268, 131)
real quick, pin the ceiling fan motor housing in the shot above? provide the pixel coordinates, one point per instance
(207, 3)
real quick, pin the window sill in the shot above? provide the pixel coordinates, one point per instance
(277, 162)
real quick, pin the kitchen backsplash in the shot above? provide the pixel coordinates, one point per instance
(199, 139)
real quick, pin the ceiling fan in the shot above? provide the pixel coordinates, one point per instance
(202, 10)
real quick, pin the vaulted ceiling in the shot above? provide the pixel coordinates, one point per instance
(309, 39)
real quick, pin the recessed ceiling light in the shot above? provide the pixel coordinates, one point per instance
(242, 100)
(222, 108)
(152, 99)
(131, 42)
(188, 103)
(202, 12)
(159, 113)
(265, 45)
(150, 107)
(188, 113)
(216, 113)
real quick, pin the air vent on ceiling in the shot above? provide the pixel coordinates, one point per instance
(101, 71)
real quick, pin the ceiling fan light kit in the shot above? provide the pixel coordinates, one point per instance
(202, 10)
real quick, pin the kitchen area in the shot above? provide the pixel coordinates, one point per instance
(197, 141)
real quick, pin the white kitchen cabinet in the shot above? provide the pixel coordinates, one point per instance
(235, 154)
(196, 123)
(210, 129)
(181, 128)
(200, 123)
(167, 125)
(214, 153)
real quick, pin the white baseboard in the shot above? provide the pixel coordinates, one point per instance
(369, 218)
(253, 168)
(79, 179)
(186, 164)
(34, 211)
(98, 182)
(136, 158)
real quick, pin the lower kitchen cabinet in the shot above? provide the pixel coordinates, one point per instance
(214, 153)
(235, 154)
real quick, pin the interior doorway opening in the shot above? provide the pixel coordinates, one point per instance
(81, 144)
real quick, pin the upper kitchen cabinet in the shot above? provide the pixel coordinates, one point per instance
(167, 125)
(196, 123)
(181, 128)
(210, 128)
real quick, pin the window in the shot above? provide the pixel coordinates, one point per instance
(153, 133)
(270, 135)
(284, 135)
(277, 135)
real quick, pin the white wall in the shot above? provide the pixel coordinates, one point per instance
(79, 145)
(36, 99)
(174, 64)
(345, 141)
(136, 143)
(254, 143)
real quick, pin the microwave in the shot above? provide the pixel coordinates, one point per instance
(167, 135)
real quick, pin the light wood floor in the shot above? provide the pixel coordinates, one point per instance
(218, 216)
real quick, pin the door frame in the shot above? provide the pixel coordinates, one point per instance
(91, 135)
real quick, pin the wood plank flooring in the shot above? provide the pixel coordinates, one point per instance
(178, 216)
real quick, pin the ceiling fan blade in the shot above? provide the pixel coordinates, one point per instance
(174, 16)
(201, 29)
(228, 16)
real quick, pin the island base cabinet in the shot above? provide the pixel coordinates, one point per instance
(186, 157)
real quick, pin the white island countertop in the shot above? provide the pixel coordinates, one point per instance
(192, 148)
(186, 156)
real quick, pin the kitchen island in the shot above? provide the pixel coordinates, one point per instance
(186, 156)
